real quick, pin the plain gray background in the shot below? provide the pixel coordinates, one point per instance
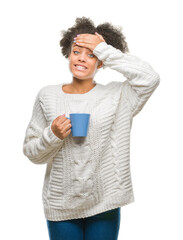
(31, 58)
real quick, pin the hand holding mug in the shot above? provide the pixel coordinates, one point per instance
(61, 126)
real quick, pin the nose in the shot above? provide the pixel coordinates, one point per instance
(82, 57)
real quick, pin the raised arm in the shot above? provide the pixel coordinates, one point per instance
(141, 81)
(40, 143)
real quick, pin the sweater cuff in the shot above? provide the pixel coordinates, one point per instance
(104, 50)
(99, 50)
(53, 138)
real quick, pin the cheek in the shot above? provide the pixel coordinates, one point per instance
(72, 60)
(93, 63)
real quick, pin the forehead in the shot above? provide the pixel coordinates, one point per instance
(76, 46)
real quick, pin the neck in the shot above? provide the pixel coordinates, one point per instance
(82, 86)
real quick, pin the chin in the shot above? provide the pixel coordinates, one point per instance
(80, 75)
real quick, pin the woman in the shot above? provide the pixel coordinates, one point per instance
(88, 179)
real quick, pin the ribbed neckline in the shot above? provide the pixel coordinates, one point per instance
(77, 95)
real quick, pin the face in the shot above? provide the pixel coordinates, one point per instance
(84, 57)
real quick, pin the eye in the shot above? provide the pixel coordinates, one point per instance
(88, 54)
(75, 51)
(92, 55)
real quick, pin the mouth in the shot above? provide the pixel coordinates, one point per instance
(80, 67)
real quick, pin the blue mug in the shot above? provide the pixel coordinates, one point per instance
(80, 123)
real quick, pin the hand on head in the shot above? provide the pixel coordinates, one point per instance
(89, 40)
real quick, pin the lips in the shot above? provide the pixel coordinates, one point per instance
(80, 68)
(80, 65)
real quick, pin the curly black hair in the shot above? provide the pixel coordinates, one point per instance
(111, 34)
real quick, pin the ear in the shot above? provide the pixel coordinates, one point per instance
(100, 64)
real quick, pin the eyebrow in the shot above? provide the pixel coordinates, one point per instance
(81, 47)
(76, 45)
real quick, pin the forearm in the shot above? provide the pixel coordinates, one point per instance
(41, 147)
(40, 143)
(139, 73)
(142, 80)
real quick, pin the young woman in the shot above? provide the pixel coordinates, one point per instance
(88, 179)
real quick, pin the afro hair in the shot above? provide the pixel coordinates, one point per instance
(111, 34)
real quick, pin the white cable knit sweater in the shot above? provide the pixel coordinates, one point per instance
(89, 175)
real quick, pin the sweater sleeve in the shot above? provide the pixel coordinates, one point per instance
(40, 143)
(141, 81)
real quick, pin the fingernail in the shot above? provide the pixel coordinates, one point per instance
(78, 35)
(74, 41)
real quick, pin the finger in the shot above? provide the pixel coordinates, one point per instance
(65, 126)
(67, 121)
(67, 129)
(84, 35)
(62, 119)
(68, 132)
(68, 126)
(86, 38)
(81, 36)
(82, 44)
(100, 36)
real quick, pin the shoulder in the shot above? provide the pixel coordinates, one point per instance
(115, 86)
(47, 90)
(118, 85)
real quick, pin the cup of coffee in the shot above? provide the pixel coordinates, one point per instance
(80, 123)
